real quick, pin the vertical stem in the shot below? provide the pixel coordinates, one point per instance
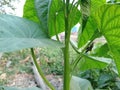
(66, 50)
(66, 66)
(40, 71)
(56, 33)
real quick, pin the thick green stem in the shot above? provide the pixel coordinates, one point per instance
(66, 66)
(67, 73)
(40, 71)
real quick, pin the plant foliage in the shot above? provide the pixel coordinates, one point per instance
(47, 18)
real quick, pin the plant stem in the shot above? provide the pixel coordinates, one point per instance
(66, 49)
(40, 71)
(56, 33)
(74, 47)
(81, 54)
(74, 64)
(66, 66)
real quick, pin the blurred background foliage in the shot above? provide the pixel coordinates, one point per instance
(8, 6)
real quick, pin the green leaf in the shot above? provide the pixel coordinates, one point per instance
(103, 79)
(56, 22)
(115, 52)
(88, 7)
(89, 33)
(100, 50)
(95, 4)
(89, 62)
(99, 59)
(56, 17)
(30, 11)
(80, 84)
(118, 84)
(85, 10)
(42, 7)
(89, 27)
(74, 15)
(108, 22)
(17, 33)
(117, 0)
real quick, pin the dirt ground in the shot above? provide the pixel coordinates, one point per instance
(27, 80)
(24, 80)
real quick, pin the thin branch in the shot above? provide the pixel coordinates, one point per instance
(40, 70)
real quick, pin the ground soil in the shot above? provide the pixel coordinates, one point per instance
(27, 80)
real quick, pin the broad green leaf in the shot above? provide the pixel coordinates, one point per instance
(30, 11)
(85, 10)
(74, 15)
(90, 29)
(117, 0)
(17, 33)
(100, 50)
(89, 33)
(115, 52)
(80, 84)
(108, 22)
(95, 4)
(56, 17)
(15, 88)
(88, 7)
(89, 62)
(42, 7)
(99, 59)
(103, 79)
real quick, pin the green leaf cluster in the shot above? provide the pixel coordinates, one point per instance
(43, 19)
(102, 21)
(100, 79)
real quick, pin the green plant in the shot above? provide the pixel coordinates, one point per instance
(3, 82)
(104, 78)
(51, 60)
(16, 62)
(46, 18)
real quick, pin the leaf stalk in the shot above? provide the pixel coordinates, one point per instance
(40, 70)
